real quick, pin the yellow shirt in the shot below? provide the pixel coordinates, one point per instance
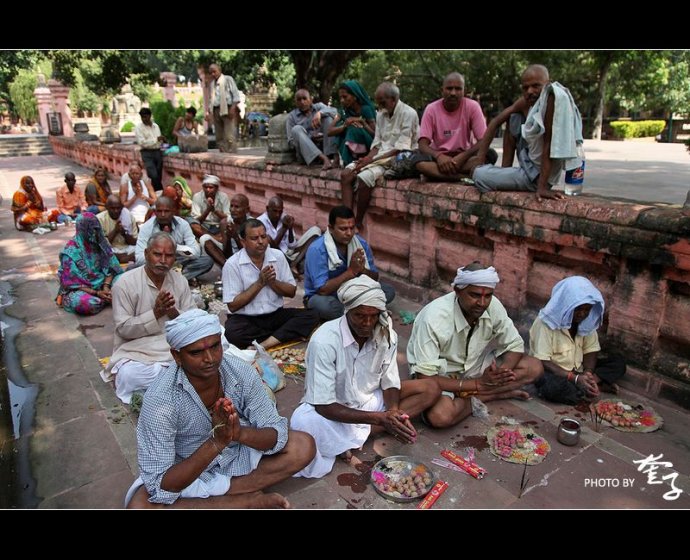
(439, 345)
(559, 347)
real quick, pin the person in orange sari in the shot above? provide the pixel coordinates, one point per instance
(27, 205)
(97, 191)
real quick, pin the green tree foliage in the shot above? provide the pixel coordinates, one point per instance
(22, 95)
(318, 71)
(11, 62)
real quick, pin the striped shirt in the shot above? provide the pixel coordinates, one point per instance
(174, 423)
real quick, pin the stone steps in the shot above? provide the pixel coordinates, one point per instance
(16, 146)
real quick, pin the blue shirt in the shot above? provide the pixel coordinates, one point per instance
(316, 272)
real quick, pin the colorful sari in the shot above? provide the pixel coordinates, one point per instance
(101, 193)
(85, 262)
(184, 205)
(355, 139)
(34, 214)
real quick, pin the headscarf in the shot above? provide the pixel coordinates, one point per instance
(190, 326)
(22, 196)
(354, 87)
(566, 296)
(487, 278)
(362, 290)
(101, 193)
(87, 259)
(185, 187)
(211, 180)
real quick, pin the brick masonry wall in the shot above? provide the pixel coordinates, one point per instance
(637, 255)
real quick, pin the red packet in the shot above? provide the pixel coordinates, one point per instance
(470, 468)
(433, 495)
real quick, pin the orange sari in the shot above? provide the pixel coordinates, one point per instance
(34, 213)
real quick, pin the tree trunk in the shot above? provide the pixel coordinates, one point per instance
(600, 99)
(317, 71)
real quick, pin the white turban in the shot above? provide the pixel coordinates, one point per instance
(189, 327)
(362, 291)
(365, 291)
(211, 180)
(486, 278)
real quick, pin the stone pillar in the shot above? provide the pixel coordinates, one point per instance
(170, 79)
(44, 102)
(206, 90)
(279, 152)
(61, 97)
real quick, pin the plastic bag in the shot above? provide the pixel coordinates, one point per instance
(270, 371)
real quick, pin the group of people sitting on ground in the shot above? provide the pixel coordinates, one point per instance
(464, 351)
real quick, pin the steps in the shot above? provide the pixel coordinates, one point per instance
(14, 145)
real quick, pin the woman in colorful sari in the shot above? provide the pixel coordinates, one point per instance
(27, 205)
(184, 196)
(88, 269)
(355, 123)
(97, 191)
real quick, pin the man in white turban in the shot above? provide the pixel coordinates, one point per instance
(208, 434)
(456, 342)
(210, 209)
(564, 337)
(352, 385)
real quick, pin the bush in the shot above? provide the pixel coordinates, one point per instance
(165, 115)
(637, 129)
(127, 127)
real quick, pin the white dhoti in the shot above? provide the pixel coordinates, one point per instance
(132, 376)
(332, 438)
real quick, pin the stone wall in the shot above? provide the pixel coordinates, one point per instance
(638, 255)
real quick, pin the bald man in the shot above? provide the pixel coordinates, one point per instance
(308, 124)
(120, 228)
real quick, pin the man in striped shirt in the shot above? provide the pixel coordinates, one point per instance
(208, 434)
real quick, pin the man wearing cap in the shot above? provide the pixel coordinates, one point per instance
(149, 138)
(210, 208)
(148, 297)
(352, 385)
(468, 345)
(208, 435)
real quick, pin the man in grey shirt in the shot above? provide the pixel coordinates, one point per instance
(308, 124)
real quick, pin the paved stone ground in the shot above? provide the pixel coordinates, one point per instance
(82, 446)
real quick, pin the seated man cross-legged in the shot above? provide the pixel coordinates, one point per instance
(208, 435)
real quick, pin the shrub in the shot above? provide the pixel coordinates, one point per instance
(637, 129)
(165, 115)
(127, 127)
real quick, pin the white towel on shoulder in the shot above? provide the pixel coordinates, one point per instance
(334, 260)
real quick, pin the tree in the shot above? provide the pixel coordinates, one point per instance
(318, 71)
(11, 62)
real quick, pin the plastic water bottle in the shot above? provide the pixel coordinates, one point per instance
(575, 178)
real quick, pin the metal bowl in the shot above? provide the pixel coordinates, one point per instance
(395, 467)
(218, 289)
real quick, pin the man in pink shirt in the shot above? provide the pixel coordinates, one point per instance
(70, 199)
(450, 128)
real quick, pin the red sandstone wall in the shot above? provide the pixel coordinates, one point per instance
(637, 255)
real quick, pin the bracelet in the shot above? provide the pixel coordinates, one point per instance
(576, 378)
(218, 449)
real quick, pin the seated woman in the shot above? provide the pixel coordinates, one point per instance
(87, 270)
(97, 191)
(564, 337)
(28, 207)
(186, 126)
(355, 123)
(183, 197)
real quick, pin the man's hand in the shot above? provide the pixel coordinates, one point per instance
(288, 221)
(495, 376)
(164, 304)
(267, 275)
(316, 121)
(544, 192)
(446, 165)
(211, 203)
(357, 265)
(225, 422)
(398, 424)
(587, 382)
(119, 228)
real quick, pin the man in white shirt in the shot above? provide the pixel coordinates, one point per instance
(281, 234)
(255, 281)
(352, 386)
(149, 138)
(143, 300)
(456, 342)
(120, 229)
(397, 128)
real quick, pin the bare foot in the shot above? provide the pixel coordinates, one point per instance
(515, 394)
(326, 163)
(346, 456)
(269, 501)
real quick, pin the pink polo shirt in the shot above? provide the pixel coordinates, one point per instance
(453, 132)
